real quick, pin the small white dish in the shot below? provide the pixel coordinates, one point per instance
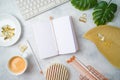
(6, 19)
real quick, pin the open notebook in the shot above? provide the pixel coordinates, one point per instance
(56, 37)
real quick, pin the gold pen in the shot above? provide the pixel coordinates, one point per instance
(82, 68)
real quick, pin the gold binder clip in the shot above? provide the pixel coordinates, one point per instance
(83, 18)
(105, 43)
(101, 37)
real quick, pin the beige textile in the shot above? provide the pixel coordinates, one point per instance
(107, 40)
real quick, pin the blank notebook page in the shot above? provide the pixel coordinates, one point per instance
(64, 34)
(45, 39)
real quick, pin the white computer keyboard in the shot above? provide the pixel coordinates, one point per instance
(31, 8)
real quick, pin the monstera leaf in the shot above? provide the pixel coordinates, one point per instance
(84, 4)
(104, 12)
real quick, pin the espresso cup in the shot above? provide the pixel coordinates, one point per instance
(17, 65)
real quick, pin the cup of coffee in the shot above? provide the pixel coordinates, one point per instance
(17, 65)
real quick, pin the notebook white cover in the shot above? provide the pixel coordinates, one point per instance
(56, 39)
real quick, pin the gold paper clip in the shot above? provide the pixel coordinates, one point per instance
(83, 18)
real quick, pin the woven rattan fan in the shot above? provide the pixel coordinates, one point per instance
(107, 40)
(57, 72)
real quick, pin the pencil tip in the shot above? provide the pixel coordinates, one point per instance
(41, 72)
(51, 18)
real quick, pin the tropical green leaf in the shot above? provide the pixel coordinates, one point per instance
(83, 4)
(104, 12)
